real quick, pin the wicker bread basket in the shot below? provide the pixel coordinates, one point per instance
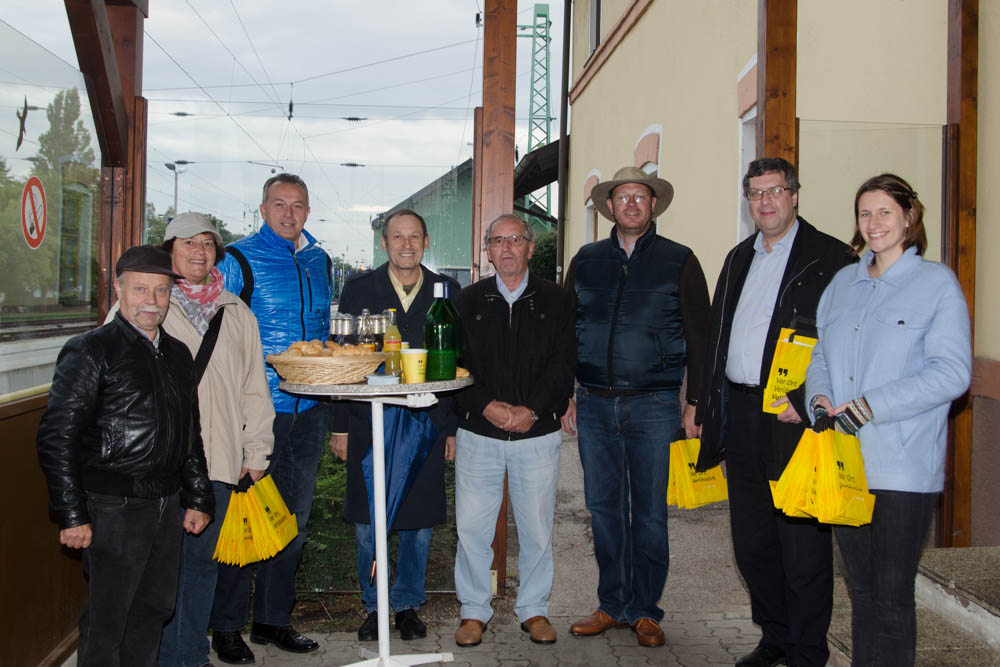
(325, 370)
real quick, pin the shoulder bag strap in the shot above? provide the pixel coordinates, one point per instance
(208, 344)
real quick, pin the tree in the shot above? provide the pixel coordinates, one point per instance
(156, 225)
(67, 140)
(543, 262)
(61, 268)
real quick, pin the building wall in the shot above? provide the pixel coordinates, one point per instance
(870, 98)
(654, 78)
(873, 61)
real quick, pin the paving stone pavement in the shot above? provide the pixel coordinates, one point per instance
(707, 619)
(707, 612)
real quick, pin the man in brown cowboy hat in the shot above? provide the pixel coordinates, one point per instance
(642, 309)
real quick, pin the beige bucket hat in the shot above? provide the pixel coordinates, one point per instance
(662, 190)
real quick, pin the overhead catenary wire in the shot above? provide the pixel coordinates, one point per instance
(254, 49)
(468, 103)
(193, 80)
(345, 70)
(235, 58)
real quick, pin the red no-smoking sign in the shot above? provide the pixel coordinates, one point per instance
(33, 212)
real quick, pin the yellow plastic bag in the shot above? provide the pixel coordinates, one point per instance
(279, 524)
(825, 479)
(235, 543)
(257, 525)
(842, 495)
(788, 368)
(796, 487)
(688, 488)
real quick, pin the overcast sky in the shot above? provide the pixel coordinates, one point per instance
(413, 70)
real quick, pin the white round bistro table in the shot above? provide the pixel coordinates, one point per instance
(419, 395)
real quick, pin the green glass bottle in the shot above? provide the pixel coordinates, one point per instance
(442, 336)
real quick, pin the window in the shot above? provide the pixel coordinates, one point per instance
(595, 25)
(590, 226)
(748, 153)
(49, 211)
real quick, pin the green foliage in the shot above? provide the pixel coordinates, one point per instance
(156, 225)
(329, 557)
(67, 140)
(543, 263)
(60, 270)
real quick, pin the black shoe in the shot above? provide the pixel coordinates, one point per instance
(231, 648)
(409, 625)
(368, 632)
(283, 636)
(764, 655)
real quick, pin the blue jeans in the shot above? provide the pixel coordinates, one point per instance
(298, 443)
(407, 591)
(532, 468)
(881, 560)
(131, 565)
(625, 451)
(184, 642)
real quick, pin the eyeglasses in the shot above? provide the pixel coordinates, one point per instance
(516, 240)
(624, 198)
(772, 193)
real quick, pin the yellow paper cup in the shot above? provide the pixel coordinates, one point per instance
(414, 365)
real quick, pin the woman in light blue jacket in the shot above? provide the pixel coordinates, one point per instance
(894, 351)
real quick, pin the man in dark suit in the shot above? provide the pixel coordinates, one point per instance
(773, 279)
(405, 284)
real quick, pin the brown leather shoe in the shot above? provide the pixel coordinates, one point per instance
(470, 632)
(540, 630)
(594, 624)
(648, 632)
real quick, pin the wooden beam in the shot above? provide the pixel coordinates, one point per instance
(141, 5)
(954, 519)
(95, 51)
(126, 22)
(496, 185)
(776, 61)
(135, 175)
(499, 86)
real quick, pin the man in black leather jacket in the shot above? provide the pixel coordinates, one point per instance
(120, 445)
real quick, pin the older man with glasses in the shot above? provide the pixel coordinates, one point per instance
(519, 346)
(641, 319)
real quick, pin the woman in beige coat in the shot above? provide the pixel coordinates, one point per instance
(236, 416)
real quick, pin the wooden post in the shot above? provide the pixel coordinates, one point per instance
(496, 186)
(777, 134)
(118, 29)
(499, 84)
(954, 517)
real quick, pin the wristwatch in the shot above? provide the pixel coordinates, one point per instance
(534, 417)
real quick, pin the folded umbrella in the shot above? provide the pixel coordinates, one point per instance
(409, 438)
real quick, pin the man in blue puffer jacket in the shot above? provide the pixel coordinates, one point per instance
(285, 278)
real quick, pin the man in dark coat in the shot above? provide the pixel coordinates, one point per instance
(405, 284)
(120, 445)
(519, 346)
(771, 280)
